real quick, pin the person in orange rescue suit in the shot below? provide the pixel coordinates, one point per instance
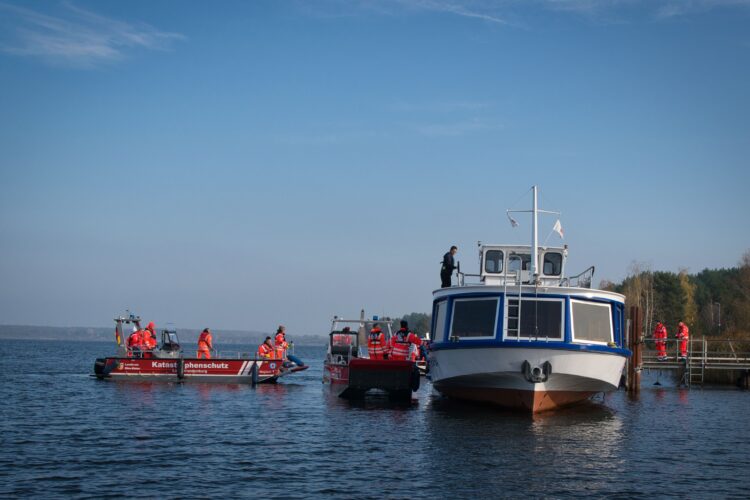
(135, 341)
(660, 338)
(282, 346)
(149, 336)
(683, 336)
(265, 350)
(205, 344)
(401, 342)
(377, 347)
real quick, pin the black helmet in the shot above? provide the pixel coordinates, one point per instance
(404, 324)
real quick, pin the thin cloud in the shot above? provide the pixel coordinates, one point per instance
(512, 12)
(454, 129)
(77, 37)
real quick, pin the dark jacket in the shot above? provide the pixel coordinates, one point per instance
(448, 263)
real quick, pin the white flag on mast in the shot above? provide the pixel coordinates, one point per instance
(513, 222)
(558, 228)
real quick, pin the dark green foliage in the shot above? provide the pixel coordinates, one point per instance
(720, 303)
(419, 323)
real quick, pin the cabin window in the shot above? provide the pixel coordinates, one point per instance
(518, 261)
(493, 261)
(534, 319)
(592, 322)
(552, 264)
(438, 328)
(474, 318)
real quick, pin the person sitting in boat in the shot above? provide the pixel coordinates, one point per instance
(135, 342)
(377, 348)
(205, 344)
(265, 350)
(402, 341)
(149, 337)
(282, 347)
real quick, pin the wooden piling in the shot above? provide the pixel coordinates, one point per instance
(635, 346)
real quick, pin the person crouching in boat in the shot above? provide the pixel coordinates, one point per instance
(282, 347)
(401, 342)
(265, 350)
(376, 345)
(135, 343)
(205, 344)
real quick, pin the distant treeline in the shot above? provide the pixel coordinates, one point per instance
(712, 302)
(101, 334)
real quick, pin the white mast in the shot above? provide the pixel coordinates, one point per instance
(534, 271)
(534, 239)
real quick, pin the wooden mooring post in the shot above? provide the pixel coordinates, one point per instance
(635, 344)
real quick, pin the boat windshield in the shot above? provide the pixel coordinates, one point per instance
(343, 342)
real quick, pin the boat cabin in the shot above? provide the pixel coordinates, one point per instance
(511, 264)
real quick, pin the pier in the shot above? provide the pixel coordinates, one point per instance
(704, 355)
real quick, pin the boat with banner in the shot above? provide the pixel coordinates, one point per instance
(524, 336)
(167, 363)
(350, 374)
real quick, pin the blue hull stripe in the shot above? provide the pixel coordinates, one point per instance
(562, 346)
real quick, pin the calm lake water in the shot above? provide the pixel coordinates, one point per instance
(67, 434)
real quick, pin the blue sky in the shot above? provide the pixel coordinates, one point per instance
(245, 164)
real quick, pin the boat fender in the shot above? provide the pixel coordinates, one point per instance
(415, 378)
(181, 368)
(536, 374)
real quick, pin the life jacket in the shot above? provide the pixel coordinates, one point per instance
(149, 342)
(205, 342)
(660, 332)
(401, 344)
(135, 339)
(376, 345)
(683, 332)
(265, 351)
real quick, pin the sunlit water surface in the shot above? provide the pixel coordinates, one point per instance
(66, 433)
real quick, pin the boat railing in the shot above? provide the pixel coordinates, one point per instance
(582, 280)
(237, 355)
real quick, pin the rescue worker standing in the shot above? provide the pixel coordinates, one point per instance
(282, 347)
(683, 336)
(446, 270)
(660, 338)
(205, 344)
(401, 342)
(149, 336)
(265, 350)
(376, 345)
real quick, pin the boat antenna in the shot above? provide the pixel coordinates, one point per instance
(535, 211)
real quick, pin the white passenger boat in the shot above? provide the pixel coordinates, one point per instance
(523, 335)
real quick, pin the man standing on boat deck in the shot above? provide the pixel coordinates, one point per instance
(376, 346)
(205, 344)
(282, 347)
(446, 270)
(149, 336)
(401, 342)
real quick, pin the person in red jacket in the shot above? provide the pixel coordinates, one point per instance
(377, 347)
(660, 338)
(402, 341)
(282, 347)
(265, 350)
(149, 337)
(205, 344)
(135, 342)
(683, 336)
